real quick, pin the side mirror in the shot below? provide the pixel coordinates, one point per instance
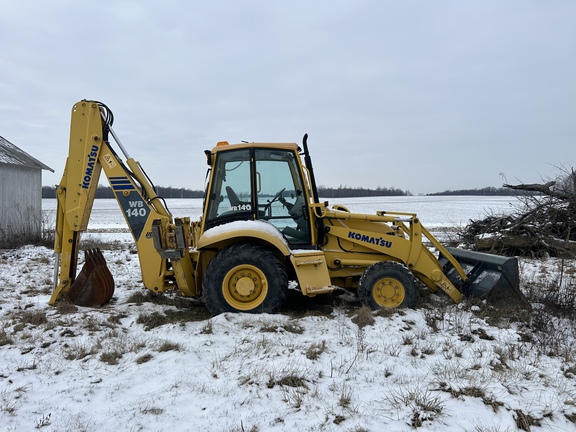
(208, 154)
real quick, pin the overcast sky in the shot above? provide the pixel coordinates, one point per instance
(423, 96)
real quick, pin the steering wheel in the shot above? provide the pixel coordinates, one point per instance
(276, 197)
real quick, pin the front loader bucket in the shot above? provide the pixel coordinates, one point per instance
(493, 278)
(94, 285)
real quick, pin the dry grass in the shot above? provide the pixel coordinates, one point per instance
(64, 307)
(207, 329)
(525, 421)
(168, 298)
(79, 352)
(315, 350)
(32, 317)
(287, 380)
(362, 316)
(169, 346)
(5, 339)
(111, 357)
(291, 327)
(424, 404)
(157, 319)
(144, 358)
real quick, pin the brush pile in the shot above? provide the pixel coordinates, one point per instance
(543, 225)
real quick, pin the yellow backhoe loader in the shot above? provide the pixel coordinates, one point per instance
(263, 225)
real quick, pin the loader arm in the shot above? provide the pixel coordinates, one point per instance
(90, 152)
(394, 236)
(360, 240)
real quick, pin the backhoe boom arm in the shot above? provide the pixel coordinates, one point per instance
(89, 153)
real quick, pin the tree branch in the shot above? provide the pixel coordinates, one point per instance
(542, 188)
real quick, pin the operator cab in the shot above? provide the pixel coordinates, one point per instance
(259, 182)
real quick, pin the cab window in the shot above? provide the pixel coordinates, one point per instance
(231, 189)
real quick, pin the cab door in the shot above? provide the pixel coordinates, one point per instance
(280, 195)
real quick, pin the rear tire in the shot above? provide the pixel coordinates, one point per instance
(245, 278)
(388, 285)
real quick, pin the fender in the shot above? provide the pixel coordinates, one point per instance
(229, 233)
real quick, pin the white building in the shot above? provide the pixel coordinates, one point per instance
(20, 194)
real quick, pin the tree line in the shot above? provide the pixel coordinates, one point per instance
(106, 192)
(350, 192)
(170, 192)
(323, 191)
(487, 191)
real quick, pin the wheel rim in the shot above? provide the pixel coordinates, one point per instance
(388, 292)
(245, 287)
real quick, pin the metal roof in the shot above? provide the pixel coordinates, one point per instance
(12, 155)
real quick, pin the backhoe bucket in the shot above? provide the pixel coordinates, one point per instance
(493, 278)
(94, 285)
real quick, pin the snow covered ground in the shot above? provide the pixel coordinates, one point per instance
(146, 363)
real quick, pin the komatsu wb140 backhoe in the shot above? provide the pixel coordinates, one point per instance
(263, 225)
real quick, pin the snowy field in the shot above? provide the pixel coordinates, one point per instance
(433, 210)
(146, 363)
(438, 214)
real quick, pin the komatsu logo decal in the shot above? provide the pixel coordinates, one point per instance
(90, 167)
(379, 241)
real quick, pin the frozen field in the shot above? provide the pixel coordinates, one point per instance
(434, 212)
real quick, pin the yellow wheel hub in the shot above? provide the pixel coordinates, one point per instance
(245, 287)
(388, 292)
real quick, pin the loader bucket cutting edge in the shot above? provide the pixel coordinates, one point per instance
(94, 285)
(493, 278)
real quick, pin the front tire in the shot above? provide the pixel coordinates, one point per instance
(388, 285)
(245, 278)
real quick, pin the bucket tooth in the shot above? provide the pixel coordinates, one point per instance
(94, 285)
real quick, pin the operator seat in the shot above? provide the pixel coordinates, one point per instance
(232, 197)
